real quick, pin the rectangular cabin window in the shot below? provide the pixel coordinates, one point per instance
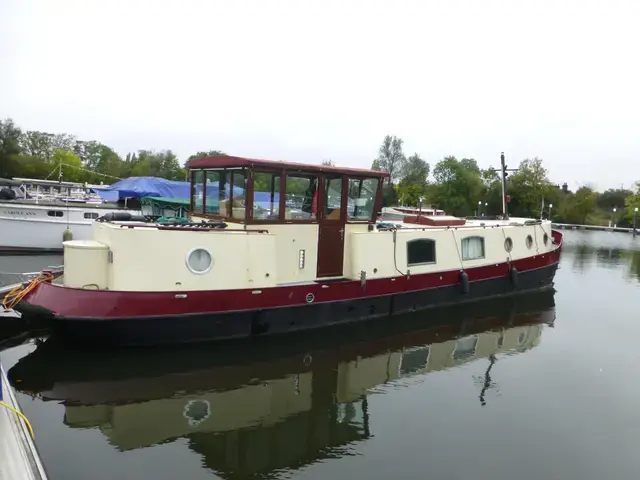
(361, 199)
(216, 191)
(90, 215)
(225, 192)
(238, 204)
(301, 200)
(421, 251)
(472, 248)
(333, 198)
(55, 213)
(197, 177)
(266, 196)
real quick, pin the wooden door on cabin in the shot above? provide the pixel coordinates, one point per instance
(331, 222)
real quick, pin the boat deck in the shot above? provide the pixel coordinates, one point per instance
(19, 457)
(470, 223)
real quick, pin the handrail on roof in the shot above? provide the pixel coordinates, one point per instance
(7, 182)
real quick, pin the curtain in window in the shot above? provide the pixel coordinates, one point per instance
(472, 248)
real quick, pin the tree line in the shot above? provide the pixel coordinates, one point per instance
(457, 186)
(460, 187)
(42, 155)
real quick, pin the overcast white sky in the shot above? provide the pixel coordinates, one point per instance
(307, 80)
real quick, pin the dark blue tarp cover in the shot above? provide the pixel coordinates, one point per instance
(137, 187)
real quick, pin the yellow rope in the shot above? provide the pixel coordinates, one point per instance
(14, 297)
(26, 420)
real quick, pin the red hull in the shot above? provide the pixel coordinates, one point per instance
(108, 304)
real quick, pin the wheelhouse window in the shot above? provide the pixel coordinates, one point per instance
(238, 207)
(301, 199)
(472, 248)
(219, 192)
(266, 196)
(421, 251)
(361, 198)
(214, 191)
(333, 198)
(197, 202)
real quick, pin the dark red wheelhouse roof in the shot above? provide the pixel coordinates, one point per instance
(226, 161)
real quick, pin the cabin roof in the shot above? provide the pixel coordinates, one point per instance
(221, 161)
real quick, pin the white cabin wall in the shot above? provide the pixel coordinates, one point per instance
(290, 239)
(371, 251)
(350, 229)
(154, 260)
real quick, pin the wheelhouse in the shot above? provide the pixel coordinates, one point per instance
(248, 191)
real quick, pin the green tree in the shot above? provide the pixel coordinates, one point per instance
(414, 181)
(459, 186)
(390, 159)
(492, 192)
(613, 197)
(10, 148)
(69, 164)
(527, 188)
(631, 203)
(578, 206)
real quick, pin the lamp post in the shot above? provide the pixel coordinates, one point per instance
(479, 206)
(613, 217)
(635, 220)
(486, 209)
(550, 207)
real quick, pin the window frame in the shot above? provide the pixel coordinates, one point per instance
(467, 239)
(419, 240)
(376, 198)
(283, 173)
(229, 178)
(281, 195)
(528, 242)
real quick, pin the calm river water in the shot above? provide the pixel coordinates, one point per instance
(546, 386)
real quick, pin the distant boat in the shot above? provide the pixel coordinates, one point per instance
(34, 214)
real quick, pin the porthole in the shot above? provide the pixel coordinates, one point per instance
(199, 260)
(508, 244)
(529, 241)
(545, 238)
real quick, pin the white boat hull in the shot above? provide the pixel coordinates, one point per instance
(33, 227)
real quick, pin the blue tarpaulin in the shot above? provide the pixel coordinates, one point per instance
(137, 187)
(263, 199)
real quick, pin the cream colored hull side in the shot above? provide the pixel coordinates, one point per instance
(246, 259)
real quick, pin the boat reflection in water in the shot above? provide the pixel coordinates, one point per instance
(251, 408)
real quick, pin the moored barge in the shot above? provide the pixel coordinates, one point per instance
(273, 247)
